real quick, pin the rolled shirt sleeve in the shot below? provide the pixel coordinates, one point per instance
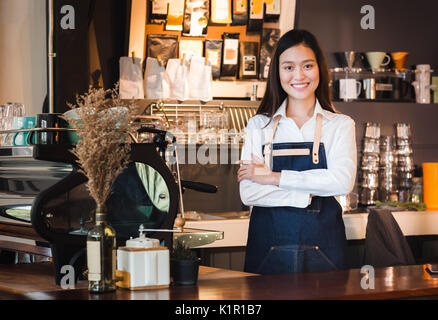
(339, 177)
(254, 194)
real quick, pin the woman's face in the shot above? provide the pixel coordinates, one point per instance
(299, 73)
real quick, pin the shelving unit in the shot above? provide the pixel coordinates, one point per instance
(388, 85)
(236, 89)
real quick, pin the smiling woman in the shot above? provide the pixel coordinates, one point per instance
(299, 74)
(304, 42)
(298, 154)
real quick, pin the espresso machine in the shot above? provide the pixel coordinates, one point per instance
(43, 198)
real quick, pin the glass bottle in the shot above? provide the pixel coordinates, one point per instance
(417, 190)
(101, 254)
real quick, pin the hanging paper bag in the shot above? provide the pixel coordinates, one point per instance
(156, 81)
(200, 79)
(131, 78)
(177, 71)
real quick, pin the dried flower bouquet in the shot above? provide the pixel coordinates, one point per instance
(102, 126)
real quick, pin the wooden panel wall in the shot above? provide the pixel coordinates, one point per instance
(402, 25)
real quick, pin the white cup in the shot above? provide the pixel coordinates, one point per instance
(349, 89)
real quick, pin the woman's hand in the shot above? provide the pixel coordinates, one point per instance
(256, 171)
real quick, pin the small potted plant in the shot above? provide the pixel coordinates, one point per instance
(184, 265)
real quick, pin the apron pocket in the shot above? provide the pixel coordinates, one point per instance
(316, 260)
(295, 258)
(315, 205)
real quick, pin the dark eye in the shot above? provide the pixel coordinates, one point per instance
(288, 68)
(308, 66)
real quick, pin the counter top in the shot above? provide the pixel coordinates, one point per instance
(29, 282)
(412, 223)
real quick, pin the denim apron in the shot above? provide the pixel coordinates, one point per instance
(289, 239)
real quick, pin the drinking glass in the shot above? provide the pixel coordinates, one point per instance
(7, 122)
(191, 127)
(223, 127)
(207, 126)
(206, 120)
(19, 110)
(372, 130)
(2, 121)
(403, 130)
(12, 109)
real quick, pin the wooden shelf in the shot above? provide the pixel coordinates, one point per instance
(237, 88)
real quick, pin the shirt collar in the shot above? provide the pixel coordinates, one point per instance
(318, 109)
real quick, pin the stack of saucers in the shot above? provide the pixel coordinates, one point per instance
(369, 166)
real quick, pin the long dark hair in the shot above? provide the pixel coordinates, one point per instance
(275, 94)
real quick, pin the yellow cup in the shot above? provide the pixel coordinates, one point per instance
(430, 185)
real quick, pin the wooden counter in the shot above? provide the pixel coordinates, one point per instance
(34, 282)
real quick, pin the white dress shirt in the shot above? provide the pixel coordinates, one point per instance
(295, 187)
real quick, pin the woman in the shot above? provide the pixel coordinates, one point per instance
(299, 153)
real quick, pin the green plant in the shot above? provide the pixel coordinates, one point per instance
(182, 252)
(406, 205)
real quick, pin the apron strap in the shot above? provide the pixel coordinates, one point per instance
(316, 141)
(267, 152)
